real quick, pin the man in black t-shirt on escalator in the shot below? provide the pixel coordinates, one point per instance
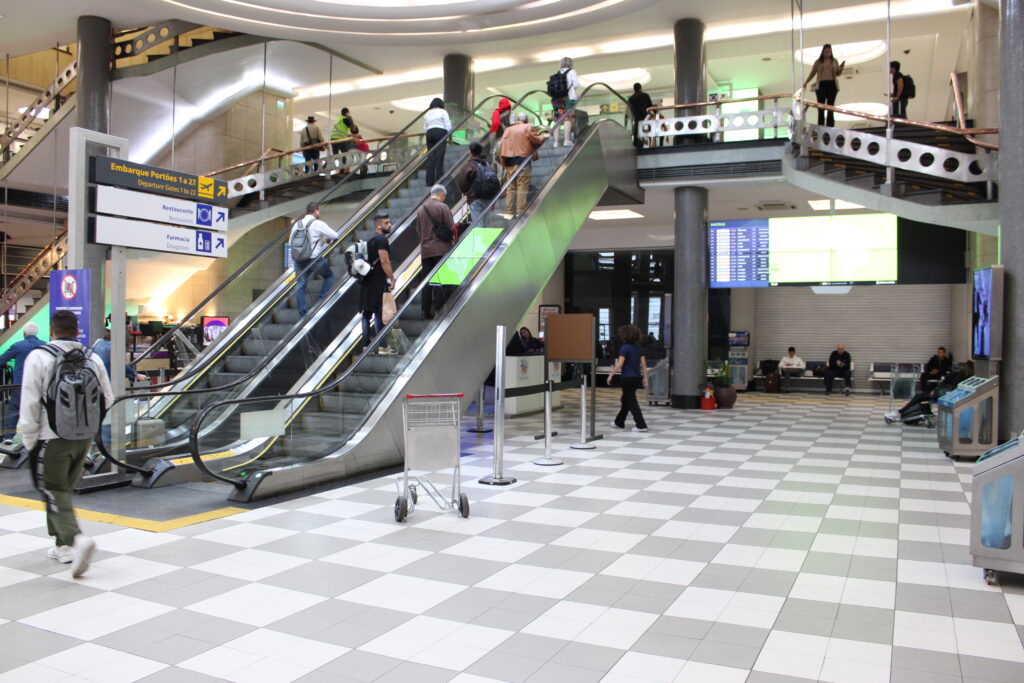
(380, 279)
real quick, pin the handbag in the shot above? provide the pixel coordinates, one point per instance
(389, 308)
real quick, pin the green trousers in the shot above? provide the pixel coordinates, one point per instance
(56, 466)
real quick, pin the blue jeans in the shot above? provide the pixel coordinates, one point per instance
(476, 210)
(321, 268)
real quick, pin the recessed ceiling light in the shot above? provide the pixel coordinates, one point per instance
(617, 79)
(825, 204)
(851, 53)
(571, 52)
(483, 65)
(414, 103)
(614, 215)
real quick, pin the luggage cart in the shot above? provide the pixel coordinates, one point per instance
(432, 433)
(902, 380)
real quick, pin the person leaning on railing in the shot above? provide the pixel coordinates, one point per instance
(827, 69)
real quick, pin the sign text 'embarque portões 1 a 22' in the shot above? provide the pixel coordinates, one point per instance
(111, 171)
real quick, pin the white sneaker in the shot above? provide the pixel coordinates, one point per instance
(62, 553)
(615, 426)
(83, 549)
(893, 415)
(639, 429)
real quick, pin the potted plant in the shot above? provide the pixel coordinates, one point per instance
(721, 378)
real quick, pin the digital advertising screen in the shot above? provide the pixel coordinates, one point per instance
(739, 339)
(213, 326)
(987, 314)
(765, 252)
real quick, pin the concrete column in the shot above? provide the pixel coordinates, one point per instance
(982, 94)
(92, 93)
(691, 64)
(1011, 213)
(690, 297)
(458, 85)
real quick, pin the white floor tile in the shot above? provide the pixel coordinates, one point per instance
(539, 581)
(256, 604)
(402, 593)
(97, 616)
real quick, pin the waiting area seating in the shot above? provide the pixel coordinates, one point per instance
(800, 382)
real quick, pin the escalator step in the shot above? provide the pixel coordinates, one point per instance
(242, 364)
(277, 332)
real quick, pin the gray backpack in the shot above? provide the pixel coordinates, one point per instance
(73, 395)
(301, 244)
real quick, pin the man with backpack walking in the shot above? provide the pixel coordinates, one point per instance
(436, 226)
(308, 239)
(65, 391)
(561, 89)
(902, 90)
(478, 182)
(311, 135)
(380, 279)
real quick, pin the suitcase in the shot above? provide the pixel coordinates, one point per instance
(772, 383)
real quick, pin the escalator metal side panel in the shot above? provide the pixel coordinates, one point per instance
(620, 165)
(457, 354)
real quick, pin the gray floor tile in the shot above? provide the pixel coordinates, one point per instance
(360, 666)
(583, 655)
(173, 674)
(322, 578)
(553, 672)
(503, 666)
(980, 669)
(725, 654)
(925, 660)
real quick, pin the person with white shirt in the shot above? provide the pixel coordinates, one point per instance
(321, 235)
(57, 463)
(791, 365)
(438, 125)
(562, 103)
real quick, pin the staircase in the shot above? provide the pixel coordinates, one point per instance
(30, 269)
(917, 187)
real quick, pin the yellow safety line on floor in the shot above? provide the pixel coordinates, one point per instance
(205, 458)
(129, 522)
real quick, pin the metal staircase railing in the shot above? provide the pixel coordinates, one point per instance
(48, 258)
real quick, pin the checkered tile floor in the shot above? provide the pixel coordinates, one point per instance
(790, 538)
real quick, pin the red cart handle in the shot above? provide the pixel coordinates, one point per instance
(434, 395)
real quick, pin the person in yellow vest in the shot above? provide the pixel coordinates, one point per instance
(344, 127)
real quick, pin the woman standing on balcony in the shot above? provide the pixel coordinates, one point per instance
(828, 70)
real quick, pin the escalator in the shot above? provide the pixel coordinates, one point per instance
(269, 347)
(344, 417)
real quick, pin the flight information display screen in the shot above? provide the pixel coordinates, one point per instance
(804, 250)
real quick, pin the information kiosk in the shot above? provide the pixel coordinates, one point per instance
(969, 418)
(997, 510)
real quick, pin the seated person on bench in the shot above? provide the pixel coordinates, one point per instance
(838, 366)
(947, 383)
(791, 365)
(937, 366)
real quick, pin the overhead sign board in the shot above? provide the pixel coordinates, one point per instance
(120, 232)
(150, 207)
(111, 171)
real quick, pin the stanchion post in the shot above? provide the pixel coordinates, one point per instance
(547, 460)
(583, 443)
(480, 429)
(497, 477)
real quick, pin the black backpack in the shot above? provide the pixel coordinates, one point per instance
(73, 396)
(909, 89)
(485, 184)
(558, 85)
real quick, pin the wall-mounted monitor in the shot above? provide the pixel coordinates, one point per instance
(764, 252)
(213, 326)
(987, 314)
(739, 339)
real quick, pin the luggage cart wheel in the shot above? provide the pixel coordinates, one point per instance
(401, 509)
(990, 577)
(888, 421)
(929, 422)
(464, 505)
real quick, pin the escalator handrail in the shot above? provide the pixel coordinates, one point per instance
(275, 241)
(270, 245)
(448, 177)
(483, 259)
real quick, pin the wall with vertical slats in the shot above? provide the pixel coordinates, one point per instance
(877, 323)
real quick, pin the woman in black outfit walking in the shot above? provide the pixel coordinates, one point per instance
(633, 366)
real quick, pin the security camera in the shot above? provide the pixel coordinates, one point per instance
(906, 52)
(391, 111)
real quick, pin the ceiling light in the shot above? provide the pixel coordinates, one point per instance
(483, 65)
(571, 52)
(871, 108)
(637, 44)
(404, 4)
(42, 112)
(614, 215)
(416, 104)
(323, 90)
(851, 53)
(621, 78)
(826, 204)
